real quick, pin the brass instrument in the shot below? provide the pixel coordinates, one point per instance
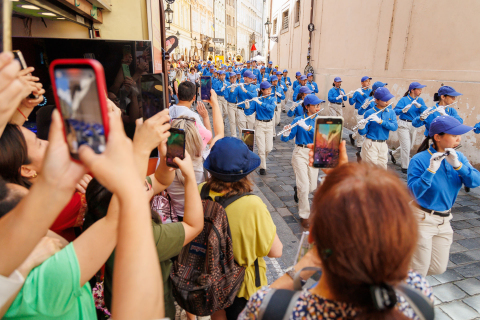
(210, 57)
(239, 58)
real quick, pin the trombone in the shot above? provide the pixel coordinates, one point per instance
(370, 117)
(296, 124)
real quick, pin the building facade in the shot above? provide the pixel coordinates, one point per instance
(230, 28)
(219, 26)
(249, 27)
(393, 41)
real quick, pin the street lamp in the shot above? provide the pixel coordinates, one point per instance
(168, 16)
(268, 28)
(177, 34)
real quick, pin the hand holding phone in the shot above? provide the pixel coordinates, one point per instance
(175, 146)
(326, 141)
(248, 137)
(206, 86)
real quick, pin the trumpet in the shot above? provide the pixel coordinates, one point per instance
(296, 124)
(447, 153)
(432, 110)
(271, 94)
(370, 117)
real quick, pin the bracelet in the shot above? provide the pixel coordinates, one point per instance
(26, 119)
(43, 103)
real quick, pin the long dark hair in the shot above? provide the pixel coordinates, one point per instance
(406, 93)
(13, 155)
(426, 143)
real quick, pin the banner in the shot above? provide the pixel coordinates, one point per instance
(155, 35)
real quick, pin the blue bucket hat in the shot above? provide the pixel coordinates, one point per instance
(449, 125)
(298, 74)
(337, 79)
(378, 84)
(248, 74)
(304, 77)
(305, 89)
(312, 99)
(231, 169)
(365, 78)
(265, 85)
(383, 94)
(415, 85)
(273, 78)
(448, 91)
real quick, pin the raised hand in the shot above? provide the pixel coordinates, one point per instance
(452, 158)
(435, 161)
(149, 134)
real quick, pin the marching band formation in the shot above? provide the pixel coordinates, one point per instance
(254, 98)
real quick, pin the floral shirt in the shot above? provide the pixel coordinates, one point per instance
(311, 306)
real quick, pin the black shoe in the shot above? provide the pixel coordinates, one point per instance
(352, 141)
(467, 189)
(295, 196)
(359, 158)
(392, 157)
(263, 172)
(404, 170)
(278, 125)
(273, 138)
(284, 111)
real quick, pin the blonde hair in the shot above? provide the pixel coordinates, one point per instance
(178, 74)
(193, 139)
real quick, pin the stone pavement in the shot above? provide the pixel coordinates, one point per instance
(457, 291)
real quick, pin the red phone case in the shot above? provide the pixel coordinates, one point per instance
(101, 88)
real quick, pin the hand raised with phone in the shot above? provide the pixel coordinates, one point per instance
(149, 134)
(186, 166)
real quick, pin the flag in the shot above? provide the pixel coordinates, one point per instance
(253, 47)
(213, 27)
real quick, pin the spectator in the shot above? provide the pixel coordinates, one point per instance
(194, 78)
(186, 96)
(253, 231)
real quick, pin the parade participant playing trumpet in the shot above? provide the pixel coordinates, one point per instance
(306, 176)
(336, 96)
(297, 109)
(446, 96)
(408, 108)
(377, 129)
(435, 175)
(311, 84)
(264, 106)
(358, 98)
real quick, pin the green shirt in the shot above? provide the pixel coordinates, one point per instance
(52, 291)
(169, 240)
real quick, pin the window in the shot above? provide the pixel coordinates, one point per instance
(274, 29)
(285, 20)
(233, 22)
(297, 11)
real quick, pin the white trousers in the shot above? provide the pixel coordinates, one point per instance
(435, 236)
(335, 110)
(289, 95)
(375, 153)
(223, 106)
(276, 117)
(264, 139)
(358, 137)
(306, 179)
(232, 118)
(406, 134)
(241, 121)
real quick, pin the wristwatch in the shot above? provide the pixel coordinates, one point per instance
(291, 272)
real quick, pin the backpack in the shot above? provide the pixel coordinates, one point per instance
(205, 276)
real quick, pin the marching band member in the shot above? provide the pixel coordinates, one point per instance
(288, 84)
(232, 104)
(284, 89)
(306, 177)
(245, 68)
(297, 109)
(446, 95)
(302, 82)
(377, 125)
(264, 106)
(336, 96)
(279, 97)
(239, 77)
(365, 107)
(244, 91)
(220, 87)
(263, 75)
(296, 83)
(269, 67)
(358, 99)
(435, 175)
(408, 108)
(310, 84)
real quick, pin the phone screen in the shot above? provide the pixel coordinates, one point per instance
(248, 137)
(80, 106)
(17, 55)
(153, 99)
(206, 83)
(328, 135)
(175, 146)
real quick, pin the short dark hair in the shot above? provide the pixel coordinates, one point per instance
(186, 91)
(14, 154)
(9, 198)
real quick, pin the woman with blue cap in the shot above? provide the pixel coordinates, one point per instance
(408, 108)
(311, 84)
(376, 126)
(264, 106)
(287, 84)
(296, 83)
(435, 175)
(446, 97)
(252, 229)
(302, 83)
(306, 176)
(297, 108)
(336, 98)
(369, 102)
(357, 100)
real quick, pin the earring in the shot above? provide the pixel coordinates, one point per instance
(35, 175)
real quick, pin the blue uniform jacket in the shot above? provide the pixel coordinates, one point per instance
(285, 81)
(265, 111)
(295, 93)
(381, 131)
(413, 112)
(417, 123)
(438, 191)
(268, 70)
(371, 105)
(333, 93)
(242, 96)
(297, 112)
(261, 76)
(358, 99)
(218, 85)
(296, 83)
(279, 90)
(312, 86)
(301, 135)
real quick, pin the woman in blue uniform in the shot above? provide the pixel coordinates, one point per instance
(336, 98)
(279, 97)
(306, 177)
(446, 96)
(264, 106)
(297, 109)
(435, 175)
(408, 108)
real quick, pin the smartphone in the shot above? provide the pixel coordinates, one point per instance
(248, 137)
(79, 88)
(126, 70)
(17, 55)
(175, 146)
(206, 85)
(6, 25)
(153, 96)
(326, 141)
